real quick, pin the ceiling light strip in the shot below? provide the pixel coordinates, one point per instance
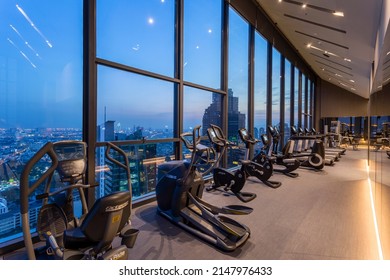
(334, 68)
(316, 23)
(322, 40)
(349, 68)
(340, 81)
(322, 9)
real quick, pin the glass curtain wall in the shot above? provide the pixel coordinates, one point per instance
(202, 94)
(304, 101)
(297, 101)
(260, 86)
(276, 77)
(309, 104)
(41, 92)
(287, 100)
(159, 73)
(135, 88)
(237, 82)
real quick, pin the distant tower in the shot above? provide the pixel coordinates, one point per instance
(212, 114)
(236, 120)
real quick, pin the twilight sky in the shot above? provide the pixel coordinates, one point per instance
(41, 61)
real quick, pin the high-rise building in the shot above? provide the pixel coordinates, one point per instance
(114, 177)
(213, 115)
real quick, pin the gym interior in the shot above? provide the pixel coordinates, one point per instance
(195, 130)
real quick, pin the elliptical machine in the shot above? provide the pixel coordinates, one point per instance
(67, 237)
(270, 152)
(179, 199)
(262, 170)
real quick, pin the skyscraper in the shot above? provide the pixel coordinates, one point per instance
(213, 115)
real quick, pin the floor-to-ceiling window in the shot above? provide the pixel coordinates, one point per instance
(304, 101)
(135, 88)
(237, 81)
(287, 100)
(310, 104)
(297, 94)
(276, 88)
(201, 65)
(40, 93)
(260, 86)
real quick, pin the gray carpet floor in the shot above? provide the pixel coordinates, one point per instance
(323, 215)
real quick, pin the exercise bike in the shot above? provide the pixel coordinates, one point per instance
(269, 152)
(231, 180)
(64, 235)
(179, 194)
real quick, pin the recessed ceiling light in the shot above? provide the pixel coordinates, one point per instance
(343, 84)
(388, 53)
(303, 5)
(308, 45)
(352, 81)
(280, 1)
(347, 59)
(338, 14)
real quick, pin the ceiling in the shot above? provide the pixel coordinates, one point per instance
(340, 49)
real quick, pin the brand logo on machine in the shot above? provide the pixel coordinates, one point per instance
(118, 256)
(116, 207)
